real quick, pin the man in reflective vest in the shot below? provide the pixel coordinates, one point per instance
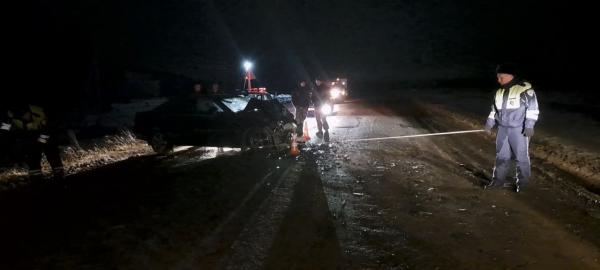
(5, 123)
(29, 122)
(5, 141)
(515, 111)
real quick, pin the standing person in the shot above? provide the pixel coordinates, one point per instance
(5, 123)
(320, 97)
(515, 111)
(215, 89)
(301, 101)
(29, 122)
(198, 90)
(5, 142)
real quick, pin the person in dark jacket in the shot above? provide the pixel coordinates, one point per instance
(301, 101)
(30, 123)
(215, 89)
(320, 96)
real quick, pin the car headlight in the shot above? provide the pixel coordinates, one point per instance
(326, 109)
(335, 93)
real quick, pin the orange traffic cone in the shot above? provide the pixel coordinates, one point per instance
(305, 134)
(294, 151)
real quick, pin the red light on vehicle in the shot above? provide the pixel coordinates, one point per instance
(260, 90)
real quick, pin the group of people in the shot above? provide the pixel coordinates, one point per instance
(200, 90)
(27, 130)
(514, 111)
(302, 97)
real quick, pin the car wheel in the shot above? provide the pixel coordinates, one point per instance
(159, 144)
(258, 137)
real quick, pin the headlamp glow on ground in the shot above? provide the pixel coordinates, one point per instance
(335, 93)
(326, 109)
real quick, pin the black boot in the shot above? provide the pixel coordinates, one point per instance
(495, 184)
(519, 187)
(58, 177)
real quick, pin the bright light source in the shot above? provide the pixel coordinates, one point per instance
(326, 109)
(248, 65)
(335, 92)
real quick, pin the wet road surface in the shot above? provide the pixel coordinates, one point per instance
(393, 204)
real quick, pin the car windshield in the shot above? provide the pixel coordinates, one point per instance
(236, 104)
(177, 106)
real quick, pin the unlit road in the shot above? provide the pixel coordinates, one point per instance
(413, 203)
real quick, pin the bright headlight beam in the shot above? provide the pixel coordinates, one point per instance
(335, 93)
(326, 109)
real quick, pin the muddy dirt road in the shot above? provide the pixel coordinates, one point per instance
(393, 204)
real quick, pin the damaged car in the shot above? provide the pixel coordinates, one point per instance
(223, 121)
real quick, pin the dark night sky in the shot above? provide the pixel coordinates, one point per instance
(367, 40)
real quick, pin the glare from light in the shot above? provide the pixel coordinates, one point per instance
(181, 148)
(248, 65)
(326, 109)
(335, 92)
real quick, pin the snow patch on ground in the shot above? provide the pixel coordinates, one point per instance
(94, 153)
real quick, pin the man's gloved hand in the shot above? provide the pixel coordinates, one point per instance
(43, 139)
(488, 129)
(528, 132)
(5, 127)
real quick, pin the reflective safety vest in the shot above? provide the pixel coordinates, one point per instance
(38, 120)
(515, 107)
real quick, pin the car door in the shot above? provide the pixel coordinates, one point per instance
(170, 119)
(232, 123)
(204, 127)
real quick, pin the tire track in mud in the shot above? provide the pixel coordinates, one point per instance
(371, 234)
(536, 208)
(250, 249)
(550, 184)
(365, 240)
(157, 216)
(307, 236)
(213, 242)
(292, 229)
(369, 241)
